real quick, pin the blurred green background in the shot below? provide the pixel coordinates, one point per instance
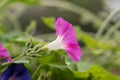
(97, 24)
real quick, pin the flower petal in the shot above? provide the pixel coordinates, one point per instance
(5, 54)
(68, 34)
(74, 52)
(66, 30)
(16, 72)
(7, 73)
(61, 26)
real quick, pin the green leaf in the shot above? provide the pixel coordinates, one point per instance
(53, 58)
(61, 72)
(50, 22)
(98, 73)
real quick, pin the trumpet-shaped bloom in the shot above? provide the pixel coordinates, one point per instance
(66, 39)
(16, 72)
(4, 54)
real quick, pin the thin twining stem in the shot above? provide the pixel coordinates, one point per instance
(105, 23)
(71, 7)
(111, 30)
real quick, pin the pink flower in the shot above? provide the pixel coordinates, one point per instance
(66, 39)
(4, 54)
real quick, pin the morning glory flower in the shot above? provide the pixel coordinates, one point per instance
(66, 39)
(16, 72)
(4, 54)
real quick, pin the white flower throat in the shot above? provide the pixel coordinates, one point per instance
(56, 44)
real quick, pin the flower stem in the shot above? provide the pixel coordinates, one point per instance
(19, 57)
(23, 54)
(7, 63)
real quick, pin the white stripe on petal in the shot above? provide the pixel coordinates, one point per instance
(56, 44)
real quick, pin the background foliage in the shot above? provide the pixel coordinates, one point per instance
(97, 33)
